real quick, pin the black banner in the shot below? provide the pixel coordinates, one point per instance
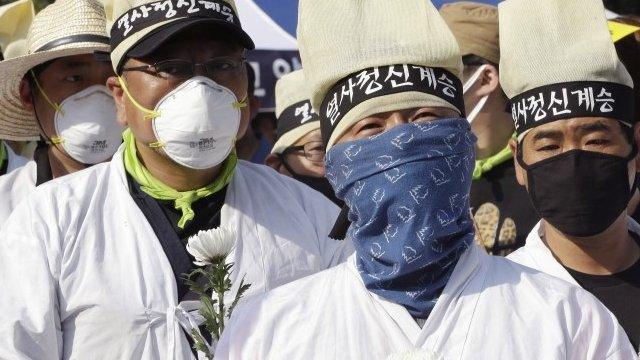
(144, 16)
(296, 115)
(553, 102)
(386, 80)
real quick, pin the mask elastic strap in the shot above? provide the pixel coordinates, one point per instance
(469, 84)
(242, 103)
(151, 114)
(55, 106)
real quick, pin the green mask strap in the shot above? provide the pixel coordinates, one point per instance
(150, 114)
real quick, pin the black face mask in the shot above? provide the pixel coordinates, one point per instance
(581, 193)
(319, 184)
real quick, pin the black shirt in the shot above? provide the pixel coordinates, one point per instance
(620, 293)
(500, 188)
(163, 218)
(43, 166)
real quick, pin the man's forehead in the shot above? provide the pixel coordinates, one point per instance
(584, 124)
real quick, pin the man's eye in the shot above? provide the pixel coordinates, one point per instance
(370, 127)
(598, 142)
(548, 148)
(174, 69)
(73, 78)
(221, 65)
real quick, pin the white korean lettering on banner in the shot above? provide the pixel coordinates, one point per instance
(333, 111)
(370, 80)
(305, 111)
(191, 4)
(403, 74)
(536, 107)
(606, 101)
(558, 106)
(127, 21)
(585, 98)
(427, 73)
(347, 90)
(167, 6)
(449, 88)
(518, 110)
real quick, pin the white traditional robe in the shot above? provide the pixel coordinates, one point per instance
(14, 160)
(536, 255)
(15, 186)
(83, 275)
(491, 308)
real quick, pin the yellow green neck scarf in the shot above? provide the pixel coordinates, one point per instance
(3, 154)
(157, 190)
(485, 165)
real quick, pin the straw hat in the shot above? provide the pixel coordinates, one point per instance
(475, 26)
(132, 22)
(15, 20)
(64, 28)
(296, 117)
(365, 57)
(558, 62)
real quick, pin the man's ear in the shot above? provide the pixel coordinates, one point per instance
(273, 161)
(489, 81)
(26, 94)
(113, 83)
(521, 174)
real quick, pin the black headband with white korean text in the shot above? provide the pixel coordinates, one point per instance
(154, 12)
(553, 102)
(294, 116)
(387, 80)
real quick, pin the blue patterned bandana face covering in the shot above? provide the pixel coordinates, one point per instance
(408, 194)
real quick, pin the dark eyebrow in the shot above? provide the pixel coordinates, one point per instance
(546, 134)
(594, 127)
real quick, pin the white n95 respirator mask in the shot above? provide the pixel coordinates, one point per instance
(86, 126)
(196, 124)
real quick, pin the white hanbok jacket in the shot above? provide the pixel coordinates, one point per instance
(14, 160)
(490, 309)
(83, 275)
(15, 185)
(536, 255)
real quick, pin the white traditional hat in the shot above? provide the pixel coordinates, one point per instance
(365, 57)
(296, 117)
(15, 20)
(132, 22)
(558, 61)
(64, 28)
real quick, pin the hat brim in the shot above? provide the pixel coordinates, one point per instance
(16, 122)
(155, 39)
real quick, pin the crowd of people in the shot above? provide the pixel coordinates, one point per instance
(453, 183)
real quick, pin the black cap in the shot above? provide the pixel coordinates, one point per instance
(154, 40)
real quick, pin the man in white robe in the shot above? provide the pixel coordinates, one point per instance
(402, 158)
(578, 158)
(52, 90)
(94, 262)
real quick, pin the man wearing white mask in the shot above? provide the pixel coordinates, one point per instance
(107, 264)
(56, 92)
(400, 153)
(15, 20)
(501, 206)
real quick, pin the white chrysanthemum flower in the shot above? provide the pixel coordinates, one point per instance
(211, 246)
(415, 354)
